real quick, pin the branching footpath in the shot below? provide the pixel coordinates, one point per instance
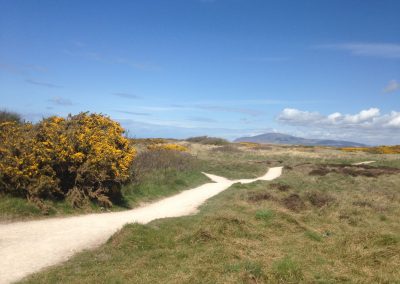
(27, 247)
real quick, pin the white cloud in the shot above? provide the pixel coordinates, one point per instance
(43, 84)
(386, 50)
(392, 86)
(60, 101)
(365, 118)
(394, 120)
(362, 116)
(295, 116)
(369, 126)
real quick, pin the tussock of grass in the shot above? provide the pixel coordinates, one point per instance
(264, 215)
(313, 236)
(286, 270)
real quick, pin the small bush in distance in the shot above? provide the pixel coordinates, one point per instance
(208, 140)
(9, 116)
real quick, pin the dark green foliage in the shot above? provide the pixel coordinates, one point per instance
(10, 116)
(208, 140)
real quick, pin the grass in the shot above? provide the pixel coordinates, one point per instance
(286, 270)
(346, 230)
(159, 175)
(162, 183)
(264, 215)
(159, 183)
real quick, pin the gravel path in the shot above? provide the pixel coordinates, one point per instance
(27, 247)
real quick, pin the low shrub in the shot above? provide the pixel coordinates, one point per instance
(208, 140)
(374, 150)
(79, 158)
(319, 199)
(294, 202)
(249, 144)
(167, 147)
(149, 161)
(148, 141)
(10, 117)
(226, 149)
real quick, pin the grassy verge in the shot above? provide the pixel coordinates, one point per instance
(161, 183)
(156, 175)
(300, 228)
(158, 184)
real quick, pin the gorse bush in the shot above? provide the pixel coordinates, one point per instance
(167, 147)
(80, 158)
(374, 150)
(148, 141)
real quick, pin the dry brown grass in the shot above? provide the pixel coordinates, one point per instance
(334, 228)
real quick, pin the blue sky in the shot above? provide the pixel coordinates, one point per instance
(318, 69)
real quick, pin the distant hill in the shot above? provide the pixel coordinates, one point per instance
(279, 138)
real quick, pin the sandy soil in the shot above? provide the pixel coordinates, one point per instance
(363, 163)
(27, 247)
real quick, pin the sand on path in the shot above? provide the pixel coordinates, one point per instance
(27, 247)
(363, 163)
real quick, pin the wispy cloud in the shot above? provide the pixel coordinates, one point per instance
(133, 112)
(202, 119)
(385, 50)
(219, 108)
(267, 59)
(252, 112)
(13, 69)
(392, 86)
(127, 96)
(81, 51)
(78, 43)
(61, 101)
(22, 69)
(43, 84)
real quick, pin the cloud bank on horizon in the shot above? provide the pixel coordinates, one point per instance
(365, 125)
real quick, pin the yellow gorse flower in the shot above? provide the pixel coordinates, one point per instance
(374, 150)
(167, 147)
(86, 154)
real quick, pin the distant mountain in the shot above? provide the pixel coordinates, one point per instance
(279, 138)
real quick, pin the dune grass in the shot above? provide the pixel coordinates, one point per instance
(300, 228)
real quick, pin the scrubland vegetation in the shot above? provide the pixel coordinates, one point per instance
(80, 158)
(323, 221)
(206, 140)
(375, 150)
(84, 163)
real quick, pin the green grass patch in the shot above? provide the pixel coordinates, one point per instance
(287, 270)
(161, 183)
(313, 236)
(265, 215)
(11, 207)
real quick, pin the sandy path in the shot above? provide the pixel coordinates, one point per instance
(27, 247)
(363, 163)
